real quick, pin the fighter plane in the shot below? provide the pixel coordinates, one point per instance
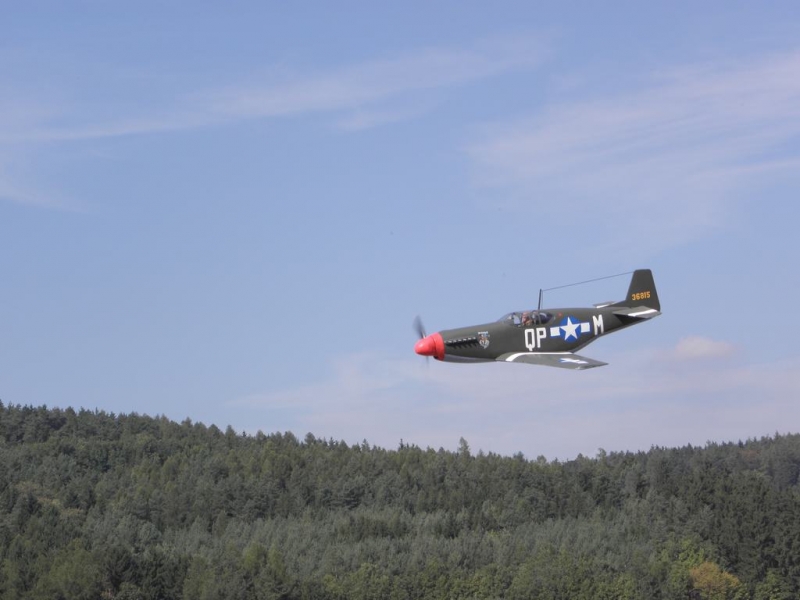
(544, 337)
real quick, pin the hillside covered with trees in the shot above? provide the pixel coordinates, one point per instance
(97, 505)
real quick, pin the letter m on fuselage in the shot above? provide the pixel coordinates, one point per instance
(599, 328)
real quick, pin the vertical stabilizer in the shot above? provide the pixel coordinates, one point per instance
(642, 291)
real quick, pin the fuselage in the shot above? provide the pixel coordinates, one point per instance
(552, 331)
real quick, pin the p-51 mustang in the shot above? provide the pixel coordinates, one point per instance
(544, 337)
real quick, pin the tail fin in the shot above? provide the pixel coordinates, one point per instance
(642, 291)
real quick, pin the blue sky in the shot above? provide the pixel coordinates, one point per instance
(234, 214)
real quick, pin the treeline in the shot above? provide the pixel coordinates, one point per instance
(96, 505)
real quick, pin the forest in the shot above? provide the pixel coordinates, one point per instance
(98, 505)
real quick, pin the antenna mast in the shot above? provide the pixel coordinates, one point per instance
(558, 287)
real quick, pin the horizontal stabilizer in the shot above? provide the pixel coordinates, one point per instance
(564, 360)
(637, 312)
(604, 304)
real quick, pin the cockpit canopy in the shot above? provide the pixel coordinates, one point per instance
(527, 318)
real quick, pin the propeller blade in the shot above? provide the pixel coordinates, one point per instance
(419, 327)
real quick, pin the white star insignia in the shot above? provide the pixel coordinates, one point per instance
(577, 361)
(570, 329)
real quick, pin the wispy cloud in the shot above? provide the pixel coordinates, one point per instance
(356, 96)
(365, 84)
(696, 347)
(661, 162)
(641, 399)
(360, 89)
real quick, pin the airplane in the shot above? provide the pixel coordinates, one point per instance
(544, 337)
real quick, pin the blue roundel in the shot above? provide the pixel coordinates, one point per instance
(571, 328)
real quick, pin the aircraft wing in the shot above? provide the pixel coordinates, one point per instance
(564, 360)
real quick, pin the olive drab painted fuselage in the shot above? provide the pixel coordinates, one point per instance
(565, 330)
(547, 337)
